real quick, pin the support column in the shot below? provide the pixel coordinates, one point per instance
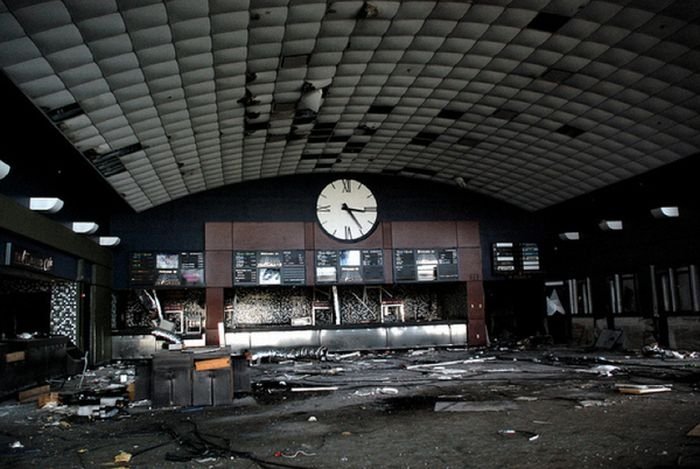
(476, 317)
(215, 314)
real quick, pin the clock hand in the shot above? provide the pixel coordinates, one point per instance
(352, 215)
(351, 209)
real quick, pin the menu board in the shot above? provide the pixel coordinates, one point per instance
(350, 266)
(425, 265)
(510, 258)
(404, 265)
(269, 267)
(326, 266)
(142, 268)
(166, 269)
(530, 257)
(503, 257)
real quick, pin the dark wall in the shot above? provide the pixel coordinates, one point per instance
(644, 240)
(179, 225)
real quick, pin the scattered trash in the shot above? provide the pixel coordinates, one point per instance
(608, 338)
(531, 436)
(317, 353)
(474, 406)
(294, 455)
(16, 445)
(123, 456)
(346, 356)
(593, 403)
(601, 370)
(350, 433)
(388, 390)
(526, 398)
(654, 351)
(315, 389)
(454, 362)
(312, 419)
(695, 431)
(642, 388)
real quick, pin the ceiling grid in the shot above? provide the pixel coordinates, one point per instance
(530, 101)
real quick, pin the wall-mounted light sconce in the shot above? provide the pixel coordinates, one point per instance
(84, 227)
(109, 241)
(665, 212)
(4, 169)
(610, 225)
(45, 204)
(570, 236)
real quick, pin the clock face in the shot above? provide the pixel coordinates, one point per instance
(347, 210)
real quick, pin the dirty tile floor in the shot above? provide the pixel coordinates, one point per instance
(488, 408)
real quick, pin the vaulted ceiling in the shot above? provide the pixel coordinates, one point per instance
(533, 102)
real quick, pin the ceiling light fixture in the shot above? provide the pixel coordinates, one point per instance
(570, 236)
(45, 204)
(109, 241)
(84, 227)
(610, 225)
(4, 169)
(665, 212)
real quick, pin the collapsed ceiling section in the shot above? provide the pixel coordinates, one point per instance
(529, 101)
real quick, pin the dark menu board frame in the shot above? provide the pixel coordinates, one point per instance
(426, 265)
(269, 267)
(515, 258)
(167, 269)
(349, 266)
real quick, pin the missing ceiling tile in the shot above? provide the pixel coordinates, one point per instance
(295, 61)
(65, 112)
(364, 129)
(110, 163)
(468, 141)
(570, 131)
(354, 147)
(450, 114)
(424, 138)
(504, 114)
(556, 75)
(548, 22)
(324, 165)
(368, 11)
(380, 109)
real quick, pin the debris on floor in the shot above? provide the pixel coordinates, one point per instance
(642, 388)
(474, 406)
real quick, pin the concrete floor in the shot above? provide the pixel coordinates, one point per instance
(490, 408)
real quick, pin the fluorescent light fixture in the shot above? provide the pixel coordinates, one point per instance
(45, 204)
(84, 227)
(4, 169)
(665, 212)
(109, 241)
(570, 236)
(610, 225)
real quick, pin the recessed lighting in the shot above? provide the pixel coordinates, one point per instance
(610, 225)
(84, 227)
(45, 204)
(4, 169)
(570, 236)
(109, 241)
(665, 212)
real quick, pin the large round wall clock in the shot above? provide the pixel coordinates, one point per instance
(347, 210)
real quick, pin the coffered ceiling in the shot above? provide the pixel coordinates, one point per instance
(532, 102)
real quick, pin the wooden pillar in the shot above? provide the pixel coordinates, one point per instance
(476, 317)
(215, 314)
